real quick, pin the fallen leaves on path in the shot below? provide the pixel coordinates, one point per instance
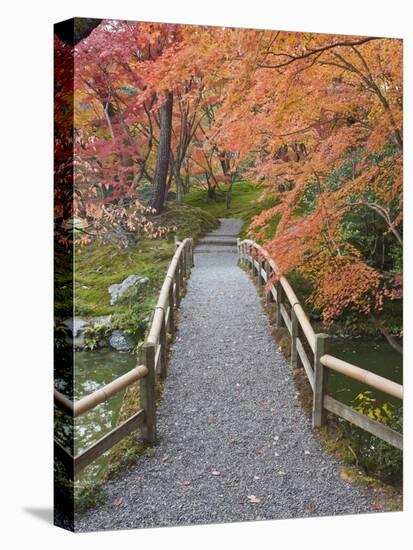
(118, 501)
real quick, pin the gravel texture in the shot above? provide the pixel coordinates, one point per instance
(233, 441)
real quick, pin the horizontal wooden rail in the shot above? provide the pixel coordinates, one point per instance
(108, 441)
(363, 375)
(289, 292)
(63, 402)
(277, 288)
(363, 421)
(153, 361)
(103, 394)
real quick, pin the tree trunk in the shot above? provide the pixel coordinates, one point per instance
(211, 192)
(229, 194)
(177, 178)
(187, 184)
(392, 341)
(162, 160)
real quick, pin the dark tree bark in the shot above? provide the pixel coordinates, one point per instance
(211, 192)
(162, 160)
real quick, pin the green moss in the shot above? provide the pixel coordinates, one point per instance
(353, 475)
(190, 221)
(245, 203)
(102, 264)
(87, 494)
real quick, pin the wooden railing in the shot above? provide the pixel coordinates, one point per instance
(154, 364)
(290, 311)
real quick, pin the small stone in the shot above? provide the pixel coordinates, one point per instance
(121, 341)
(128, 286)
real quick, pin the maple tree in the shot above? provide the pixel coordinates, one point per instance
(324, 116)
(318, 118)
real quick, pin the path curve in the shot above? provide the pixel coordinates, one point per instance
(233, 441)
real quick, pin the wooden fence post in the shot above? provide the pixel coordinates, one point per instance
(186, 259)
(171, 303)
(260, 277)
(162, 341)
(192, 251)
(294, 326)
(181, 270)
(177, 278)
(320, 379)
(147, 393)
(278, 316)
(269, 297)
(254, 269)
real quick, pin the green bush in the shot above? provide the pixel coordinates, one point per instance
(375, 455)
(94, 334)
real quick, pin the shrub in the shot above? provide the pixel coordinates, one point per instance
(374, 454)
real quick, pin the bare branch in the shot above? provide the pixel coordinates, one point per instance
(317, 51)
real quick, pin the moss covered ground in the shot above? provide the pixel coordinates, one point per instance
(247, 202)
(101, 264)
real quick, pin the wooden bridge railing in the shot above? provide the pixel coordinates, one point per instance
(153, 359)
(278, 289)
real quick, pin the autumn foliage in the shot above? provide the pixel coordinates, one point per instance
(317, 118)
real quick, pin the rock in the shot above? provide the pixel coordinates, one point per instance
(126, 288)
(121, 341)
(104, 320)
(75, 331)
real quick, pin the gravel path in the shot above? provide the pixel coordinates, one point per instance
(233, 441)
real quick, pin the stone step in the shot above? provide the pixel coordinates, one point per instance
(211, 249)
(223, 241)
(229, 235)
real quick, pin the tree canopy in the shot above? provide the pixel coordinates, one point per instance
(315, 118)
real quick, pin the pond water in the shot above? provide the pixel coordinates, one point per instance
(372, 354)
(93, 370)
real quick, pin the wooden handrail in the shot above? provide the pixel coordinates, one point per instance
(63, 402)
(322, 361)
(153, 353)
(362, 375)
(103, 394)
(289, 292)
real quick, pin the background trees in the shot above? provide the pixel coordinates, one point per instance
(318, 117)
